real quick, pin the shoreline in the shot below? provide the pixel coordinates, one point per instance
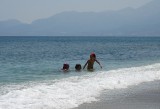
(143, 96)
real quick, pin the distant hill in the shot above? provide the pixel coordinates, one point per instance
(143, 21)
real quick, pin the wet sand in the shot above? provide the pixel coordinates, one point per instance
(142, 96)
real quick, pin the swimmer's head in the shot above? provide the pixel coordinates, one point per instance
(65, 66)
(78, 67)
(92, 55)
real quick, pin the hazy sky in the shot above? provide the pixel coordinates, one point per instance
(29, 10)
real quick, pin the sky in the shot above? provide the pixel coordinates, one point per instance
(29, 10)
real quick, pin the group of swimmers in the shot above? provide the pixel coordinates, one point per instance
(89, 64)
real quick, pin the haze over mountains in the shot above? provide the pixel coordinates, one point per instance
(143, 21)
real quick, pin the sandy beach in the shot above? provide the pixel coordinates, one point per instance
(142, 96)
(31, 76)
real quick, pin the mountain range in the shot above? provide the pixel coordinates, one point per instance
(143, 21)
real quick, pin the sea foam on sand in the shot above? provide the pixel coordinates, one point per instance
(76, 90)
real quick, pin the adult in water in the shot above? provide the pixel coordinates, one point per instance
(91, 61)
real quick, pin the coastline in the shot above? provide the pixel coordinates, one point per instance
(143, 96)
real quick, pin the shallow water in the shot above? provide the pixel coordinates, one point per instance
(30, 75)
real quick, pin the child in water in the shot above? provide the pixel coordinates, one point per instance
(90, 62)
(65, 67)
(78, 67)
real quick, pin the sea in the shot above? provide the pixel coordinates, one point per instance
(31, 75)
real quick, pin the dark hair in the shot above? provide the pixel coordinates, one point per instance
(65, 66)
(78, 67)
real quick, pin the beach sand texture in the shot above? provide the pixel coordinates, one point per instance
(143, 96)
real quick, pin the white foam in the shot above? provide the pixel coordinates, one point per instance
(73, 91)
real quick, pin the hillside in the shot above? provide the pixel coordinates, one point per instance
(143, 21)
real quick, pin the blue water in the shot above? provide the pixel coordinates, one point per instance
(31, 76)
(25, 59)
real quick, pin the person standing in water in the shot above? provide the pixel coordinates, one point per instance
(91, 61)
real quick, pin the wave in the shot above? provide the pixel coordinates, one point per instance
(71, 92)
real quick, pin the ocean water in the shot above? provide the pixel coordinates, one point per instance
(31, 76)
